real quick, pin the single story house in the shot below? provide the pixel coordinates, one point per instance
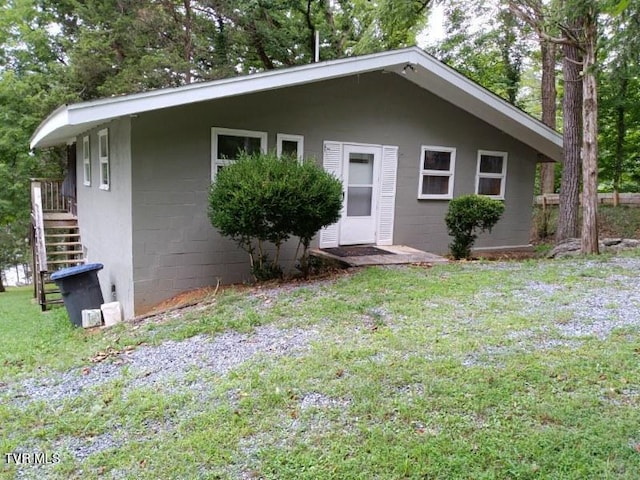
(404, 132)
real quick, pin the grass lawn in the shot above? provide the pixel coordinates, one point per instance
(515, 370)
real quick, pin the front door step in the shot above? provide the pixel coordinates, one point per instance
(392, 255)
(356, 251)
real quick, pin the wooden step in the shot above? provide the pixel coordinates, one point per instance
(58, 224)
(55, 301)
(55, 216)
(61, 235)
(78, 261)
(63, 244)
(64, 252)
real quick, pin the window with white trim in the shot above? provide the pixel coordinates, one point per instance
(292, 145)
(491, 174)
(437, 167)
(226, 143)
(103, 155)
(86, 162)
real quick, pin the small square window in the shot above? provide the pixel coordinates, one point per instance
(290, 145)
(103, 154)
(437, 166)
(86, 162)
(491, 174)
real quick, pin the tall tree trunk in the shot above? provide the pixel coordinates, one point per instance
(335, 38)
(549, 95)
(572, 143)
(258, 44)
(220, 45)
(2, 289)
(188, 42)
(312, 31)
(621, 133)
(589, 239)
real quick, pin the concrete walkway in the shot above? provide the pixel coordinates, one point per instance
(399, 254)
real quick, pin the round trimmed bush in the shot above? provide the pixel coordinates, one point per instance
(466, 217)
(263, 198)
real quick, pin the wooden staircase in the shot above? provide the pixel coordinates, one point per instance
(56, 242)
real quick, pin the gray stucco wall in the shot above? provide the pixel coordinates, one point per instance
(104, 216)
(174, 246)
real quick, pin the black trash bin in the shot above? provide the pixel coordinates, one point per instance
(80, 289)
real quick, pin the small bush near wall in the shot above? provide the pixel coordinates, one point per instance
(265, 199)
(466, 217)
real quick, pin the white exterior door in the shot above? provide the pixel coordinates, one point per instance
(360, 180)
(368, 175)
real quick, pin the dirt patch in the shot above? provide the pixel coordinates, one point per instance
(203, 297)
(186, 299)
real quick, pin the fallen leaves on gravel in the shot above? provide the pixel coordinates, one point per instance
(112, 352)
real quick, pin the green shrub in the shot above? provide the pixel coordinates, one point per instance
(318, 203)
(262, 198)
(467, 216)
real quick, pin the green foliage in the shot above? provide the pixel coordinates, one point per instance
(29, 338)
(492, 56)
(467, 216)
(619, 101)
(617, 7)
(13, 244)
(29, 90)
(262, 198)
(384, 24)
(318, 200)
(621, 221)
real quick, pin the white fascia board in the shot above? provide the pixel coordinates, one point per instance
(56, 126)
(166, 98)
(56, 121)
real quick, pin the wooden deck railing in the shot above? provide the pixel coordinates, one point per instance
(52, 198)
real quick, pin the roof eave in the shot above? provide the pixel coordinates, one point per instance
(57, 120)
(427, 72)
(115, 107)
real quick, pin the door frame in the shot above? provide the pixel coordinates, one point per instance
(376, 151)
(332, 162)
